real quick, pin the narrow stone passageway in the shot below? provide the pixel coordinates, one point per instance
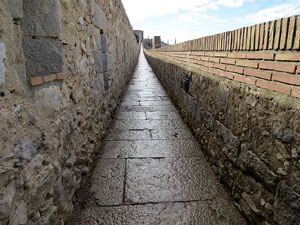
(151, 170)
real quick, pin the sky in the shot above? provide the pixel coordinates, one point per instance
(190, 19)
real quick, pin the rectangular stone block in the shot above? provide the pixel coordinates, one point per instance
(98, 61)
(241, 39)
(41, 18)
(271, 35)
(252, 46)
(283, 33)
(99, 18)
(104, 192)
(106, 81)
(103, 43)
(291, 30)
(277, 34)
(148, 176)
(43, 57)
(98, 83)
(117, 48)
(2, 66)
(248, 38)
(257, 35)
(238, 39)
(104, 62)
(297, 35)
(261, 36)
(16, 8)
(266, 36)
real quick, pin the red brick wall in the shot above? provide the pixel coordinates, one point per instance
(264, 55)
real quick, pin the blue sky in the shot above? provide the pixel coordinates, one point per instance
(191, 19)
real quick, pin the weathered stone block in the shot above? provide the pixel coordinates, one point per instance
(2, 66)
(99, 18)
(16, 8)
(82, 3)
(103, 43)
(230, 144)
(105, 62)
(102, 61)
(6, 199)
(43, 57)
(288, 135)
(41, 18)
(63, 189)
(25, 150)
(6, 174)
(48, 101)
(287, 205)
(250, 163)
(98, 83)
(98, 61)
(20, 215)
(106, 82)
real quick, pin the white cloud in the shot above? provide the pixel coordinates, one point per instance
(276, 12)
(138, 10)
(191, 19)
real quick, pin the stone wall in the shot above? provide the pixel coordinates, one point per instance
(243, 107)
(64, 64)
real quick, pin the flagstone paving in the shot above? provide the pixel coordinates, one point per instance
(152, 170)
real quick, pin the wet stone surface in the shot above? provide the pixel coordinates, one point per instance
(159, 149)
(167, 180)
(149, 124)
(108, 182)
(147, 108)
(218, 212)
(151, 169)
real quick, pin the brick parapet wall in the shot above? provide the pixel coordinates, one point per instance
(281, 34)
(275, 71)
(265, 55)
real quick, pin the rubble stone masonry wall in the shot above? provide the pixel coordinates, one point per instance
(63, 66)
(243, 106)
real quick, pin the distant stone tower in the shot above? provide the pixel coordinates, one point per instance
(156, 42)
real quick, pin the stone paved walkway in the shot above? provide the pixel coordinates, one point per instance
(151, 170)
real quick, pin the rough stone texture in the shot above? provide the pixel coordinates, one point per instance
(108, 182)
(132, 175)
(43, 57)
(49, 101)
(2, 66)
(24, 151)
(166, 180)
(16, 9)
(139, 149)
(99, 19)
(51, 133)
(6, 200)
(200, 213)
(250, 136)
(98, 61)
(250, 163)
(287, 205)
(103, 43)
(48, 25)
